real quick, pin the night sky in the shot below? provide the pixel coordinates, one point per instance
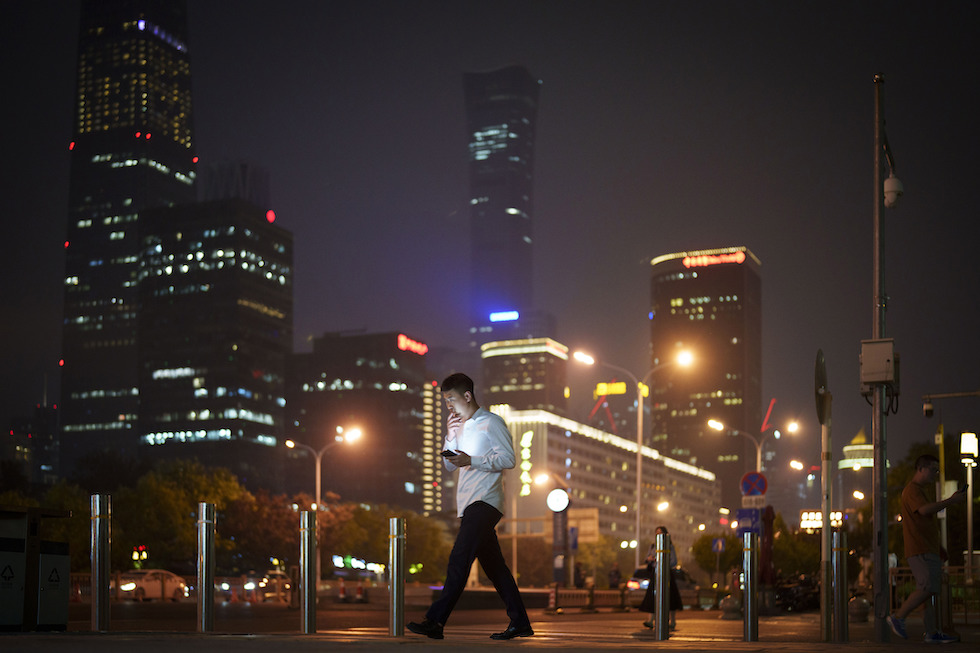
(663, 126)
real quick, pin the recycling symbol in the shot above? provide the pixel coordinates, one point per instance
(7, 574)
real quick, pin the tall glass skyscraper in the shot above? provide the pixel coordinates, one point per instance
(501, 111)
(710, 302)
(132, 150)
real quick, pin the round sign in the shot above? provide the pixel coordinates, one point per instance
(753, 484)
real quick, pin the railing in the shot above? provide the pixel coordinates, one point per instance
(960, 600)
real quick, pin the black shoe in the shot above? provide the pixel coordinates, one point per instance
(430, 629)
(514, 631)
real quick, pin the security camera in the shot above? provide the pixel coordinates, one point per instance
(927, 408)
(893, 190)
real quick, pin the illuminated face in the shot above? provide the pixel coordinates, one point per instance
(458, 404)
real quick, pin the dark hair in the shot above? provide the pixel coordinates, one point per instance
(458, 382)
(662, 528)
(925, 460)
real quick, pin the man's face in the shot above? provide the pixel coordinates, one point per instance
(930, 473)
(456, 402)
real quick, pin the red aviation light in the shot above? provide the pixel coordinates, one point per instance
(194, 160)
(407, 344)
(66, 244)
(270, 216)
(139, 134)
(71, 146)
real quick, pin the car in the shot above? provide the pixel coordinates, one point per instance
(148, 584)
(637, 585)
(274, 585)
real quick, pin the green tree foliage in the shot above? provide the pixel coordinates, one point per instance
(534, 565)
(707, 560)
(597, 558)
(255, 528)
(160, 512)
(794, 553)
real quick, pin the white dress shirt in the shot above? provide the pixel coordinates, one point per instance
(487, 441)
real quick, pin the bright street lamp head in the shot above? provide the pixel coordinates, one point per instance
(290, 444)
(351, 435)
(584, 358)
(685, 358)
(716, 425)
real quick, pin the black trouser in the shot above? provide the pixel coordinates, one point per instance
(477, 539)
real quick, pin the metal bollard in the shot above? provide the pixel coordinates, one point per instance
(750, 568)
(396, 576)
(205, 567)
(839, 563)
(101, 543)
(307, 570)
(661, 628)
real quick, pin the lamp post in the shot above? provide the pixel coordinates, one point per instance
(349, 435)
(792, 427)
(968, 456)
(684, 359)
(886, 193)
(558, 501)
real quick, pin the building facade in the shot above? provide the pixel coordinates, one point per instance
(215, 331)
(501, 112)
(526, 374)
(132, 150)
(378, 383)
(599, 471)
(709, 302)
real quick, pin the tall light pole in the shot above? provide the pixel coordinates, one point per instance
(968, 456)
(684, 359)
(792, 427)
(886, 193)
(349, 435)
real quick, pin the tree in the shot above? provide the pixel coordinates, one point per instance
(597, 557)
(161, 513)
(706, 558)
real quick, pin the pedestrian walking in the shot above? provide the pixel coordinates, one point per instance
(649, 604)
(920, 532)
(479, 445)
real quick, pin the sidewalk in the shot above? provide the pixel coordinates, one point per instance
(571, 632)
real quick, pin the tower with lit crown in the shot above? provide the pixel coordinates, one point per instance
(132, 150)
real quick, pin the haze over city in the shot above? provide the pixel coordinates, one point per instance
(663, 127)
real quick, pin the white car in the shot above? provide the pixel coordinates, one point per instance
(146, 584)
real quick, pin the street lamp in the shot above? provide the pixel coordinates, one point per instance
(968, 456)
(684, 359)
(792, 427)
(348, 436)
(558, 501)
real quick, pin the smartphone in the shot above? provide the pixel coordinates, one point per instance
(449, 454)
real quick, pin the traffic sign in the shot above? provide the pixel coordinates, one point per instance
(753, 483)
(749, 520)
(718, 545)
(754, 501)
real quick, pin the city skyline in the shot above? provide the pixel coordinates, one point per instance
(662, 128)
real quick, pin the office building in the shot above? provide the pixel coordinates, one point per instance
(599, 471)
(501, 112)
(709, 302)
(215, 331)
(525, 374)
(132, 149)
(376, 382)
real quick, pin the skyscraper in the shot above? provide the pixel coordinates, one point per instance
(501, 112)
(710, 302)
(132, 150)
(215, 331)
(376, 382)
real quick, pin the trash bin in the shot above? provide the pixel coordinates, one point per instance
(34, 574)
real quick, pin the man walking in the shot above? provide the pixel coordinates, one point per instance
(920, 532)
(480, 446)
